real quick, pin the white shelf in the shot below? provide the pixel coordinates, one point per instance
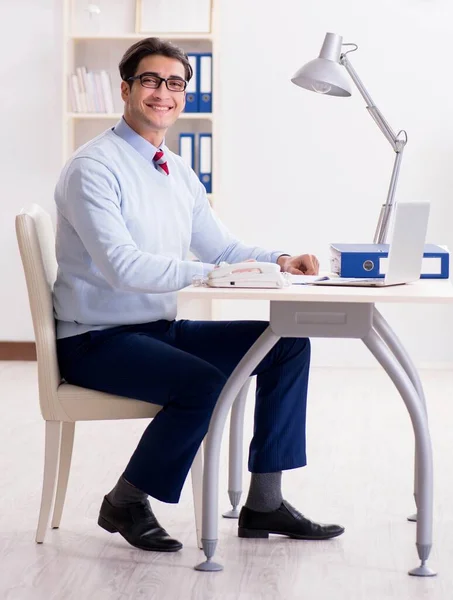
(112, 116)
(140, 36)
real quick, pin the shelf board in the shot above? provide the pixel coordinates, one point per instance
(140, 36)
(112, 116)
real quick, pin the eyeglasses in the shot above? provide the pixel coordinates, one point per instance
(149, 80)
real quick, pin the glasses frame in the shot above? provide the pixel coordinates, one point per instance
(161, 80)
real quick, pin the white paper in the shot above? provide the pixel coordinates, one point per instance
(305, 279)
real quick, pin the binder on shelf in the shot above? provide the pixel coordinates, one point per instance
(187, 148)
(371, 260)
(205, 82)
(205, 161)
(107, 91)
(192, 96)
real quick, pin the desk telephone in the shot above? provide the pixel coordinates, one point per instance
(248, 275)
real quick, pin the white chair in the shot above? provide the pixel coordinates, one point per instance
(63, 404)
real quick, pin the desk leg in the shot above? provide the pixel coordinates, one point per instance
(395, 345)
(236, 381)
(236, 451)
(422, 444)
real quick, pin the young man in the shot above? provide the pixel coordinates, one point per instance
(129, 209)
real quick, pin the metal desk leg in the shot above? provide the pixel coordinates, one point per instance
(236, 451)
(237, 379)
(422, 443)
(395, 345)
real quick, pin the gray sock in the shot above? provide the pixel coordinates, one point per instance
(124, 493)
(265, 493)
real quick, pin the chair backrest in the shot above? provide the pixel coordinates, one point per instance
(36, 239)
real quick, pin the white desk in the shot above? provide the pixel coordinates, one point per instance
(345, 312)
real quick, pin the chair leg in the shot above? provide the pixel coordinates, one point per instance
(67, 443)
(236, 451)
(197, 490)
(51, 456)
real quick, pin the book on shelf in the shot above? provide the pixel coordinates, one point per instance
(90, 91)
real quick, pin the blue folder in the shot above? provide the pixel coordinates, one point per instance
(192, 95)
(364, 260)
(205, 160)
(187, 148)
(205, 82)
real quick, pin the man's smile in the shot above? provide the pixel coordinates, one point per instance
(159, 107)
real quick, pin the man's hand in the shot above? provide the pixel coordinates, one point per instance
(304, 264)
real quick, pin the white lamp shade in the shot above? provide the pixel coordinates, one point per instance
(325, 75)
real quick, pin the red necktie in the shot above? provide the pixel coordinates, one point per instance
(161, 163)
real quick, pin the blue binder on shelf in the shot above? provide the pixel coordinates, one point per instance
(205, 82)
(205, 161)
(192, 95)
(370, 260)
(187, 148)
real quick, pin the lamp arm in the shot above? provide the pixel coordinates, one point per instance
(397, 141)
(371, 107)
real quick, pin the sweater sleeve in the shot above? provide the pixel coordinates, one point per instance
(91, 204)
(212, 242)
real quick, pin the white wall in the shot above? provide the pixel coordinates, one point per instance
(298, 170)
(30, 126)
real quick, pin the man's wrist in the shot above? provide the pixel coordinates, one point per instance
(281, 260)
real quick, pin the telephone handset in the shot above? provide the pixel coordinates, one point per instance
(249, 274)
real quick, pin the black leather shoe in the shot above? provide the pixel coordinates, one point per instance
(286, 520)
(138, 526)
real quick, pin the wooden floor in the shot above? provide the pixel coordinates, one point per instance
(359, 474)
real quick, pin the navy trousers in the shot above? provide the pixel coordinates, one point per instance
(183, 366)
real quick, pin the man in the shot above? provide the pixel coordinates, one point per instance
(128, 212)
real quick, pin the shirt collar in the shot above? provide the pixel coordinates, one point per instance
(143, 147)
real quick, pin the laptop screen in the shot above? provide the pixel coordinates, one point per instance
(407, 243)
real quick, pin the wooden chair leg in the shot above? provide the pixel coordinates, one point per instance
(67, 443)
(51, 457)
(197, 490)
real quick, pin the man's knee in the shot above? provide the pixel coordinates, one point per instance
(207, 387)
(214, 382)
(292, 347)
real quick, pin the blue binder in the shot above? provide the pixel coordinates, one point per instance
(205, 82)
(365, 260)
(192, 95)
(187, 148)
(205, 161)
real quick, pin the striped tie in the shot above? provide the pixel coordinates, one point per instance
(161, 163)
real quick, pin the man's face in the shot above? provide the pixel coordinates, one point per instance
(153, 110)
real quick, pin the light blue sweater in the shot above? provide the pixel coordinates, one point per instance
(124, 230)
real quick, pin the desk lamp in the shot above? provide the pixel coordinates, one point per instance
(326, 76)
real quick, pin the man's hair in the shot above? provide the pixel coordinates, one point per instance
(147, 47)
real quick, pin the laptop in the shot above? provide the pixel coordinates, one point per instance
(407, 245)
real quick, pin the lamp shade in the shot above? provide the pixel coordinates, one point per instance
(324, 74)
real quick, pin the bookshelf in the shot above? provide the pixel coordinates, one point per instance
(97, 42)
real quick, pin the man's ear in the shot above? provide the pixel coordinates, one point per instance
(125, 90)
